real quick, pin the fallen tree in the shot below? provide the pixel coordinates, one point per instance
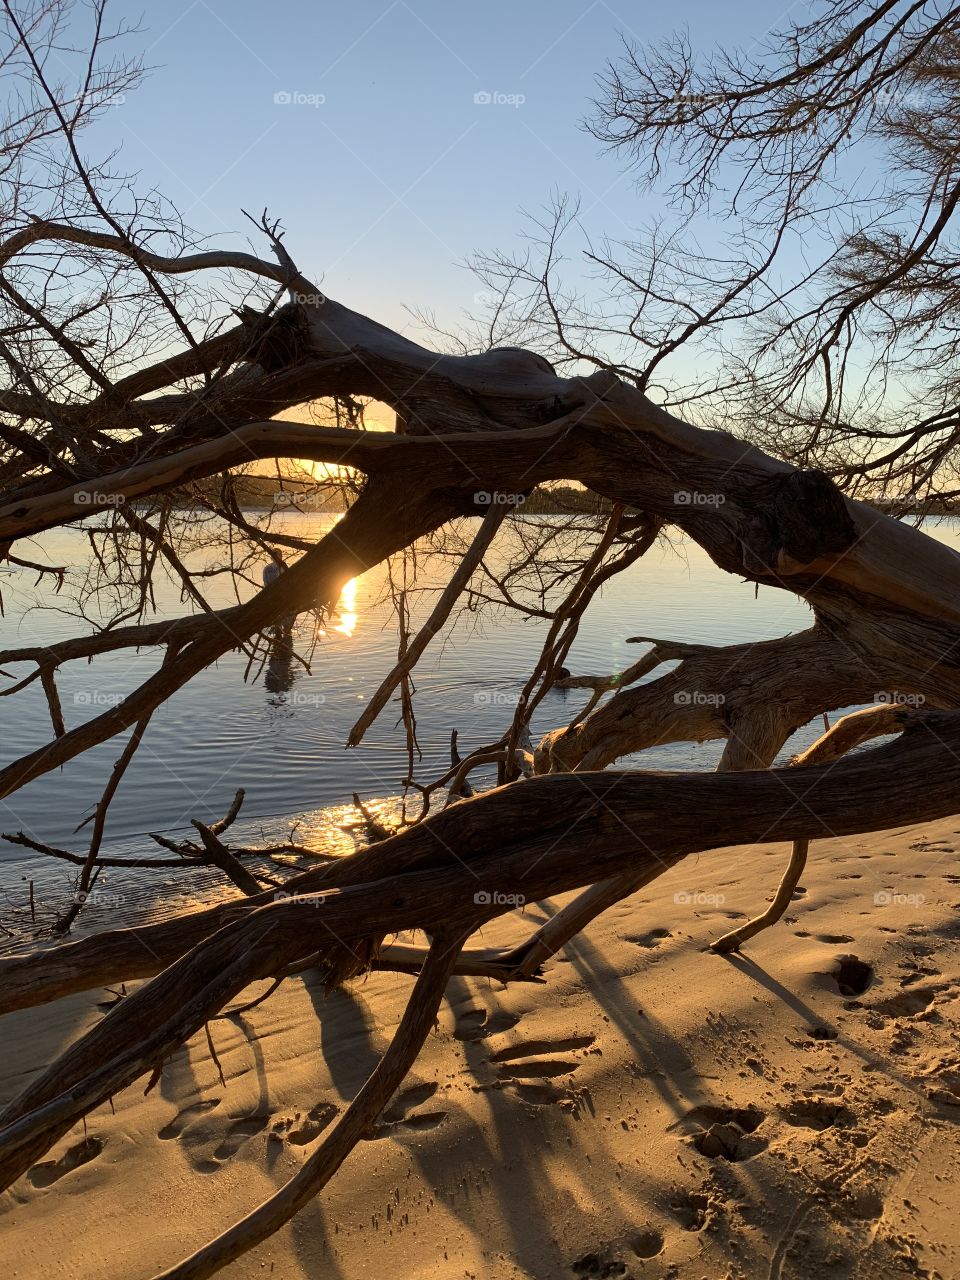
(131, 447)
(885, 626)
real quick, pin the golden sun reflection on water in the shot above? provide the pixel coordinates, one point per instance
(347, 609)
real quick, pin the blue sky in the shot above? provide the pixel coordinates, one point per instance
(382, 166)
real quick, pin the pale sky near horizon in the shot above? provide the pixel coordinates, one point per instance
(357, 125)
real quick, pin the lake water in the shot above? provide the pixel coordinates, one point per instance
(286, 749)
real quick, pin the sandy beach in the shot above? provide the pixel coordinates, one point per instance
(649, 1111)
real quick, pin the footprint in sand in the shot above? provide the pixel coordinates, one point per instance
(817, 1113)
(851, 975)
(51, 1171)
(864, 1201)
(655, 938)
(528, 1060)
(942, 1080)
(912, 1001)
(692, 1209)
(402, 1114)
(820, 1031)
(833, 939)
(478, 1024)
(208, 1147)
(299, 1130)
(601, 1265)
(185, 1117)
(237, 1134)
(540, 1048)
(519, 1064)
(646, 1243)
(725, 1132)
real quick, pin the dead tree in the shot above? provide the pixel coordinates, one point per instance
(114, 443)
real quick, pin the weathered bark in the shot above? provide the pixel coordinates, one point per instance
(754, 695)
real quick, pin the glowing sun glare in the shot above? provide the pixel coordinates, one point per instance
(347, 608)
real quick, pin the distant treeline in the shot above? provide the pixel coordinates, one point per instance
(910, 507)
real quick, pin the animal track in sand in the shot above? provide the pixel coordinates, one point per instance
(185, 1117)
(544, 1093)
(51, 1171)
(833, 939)
(402, 1114)
(477, 1024)
(748, 1118)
